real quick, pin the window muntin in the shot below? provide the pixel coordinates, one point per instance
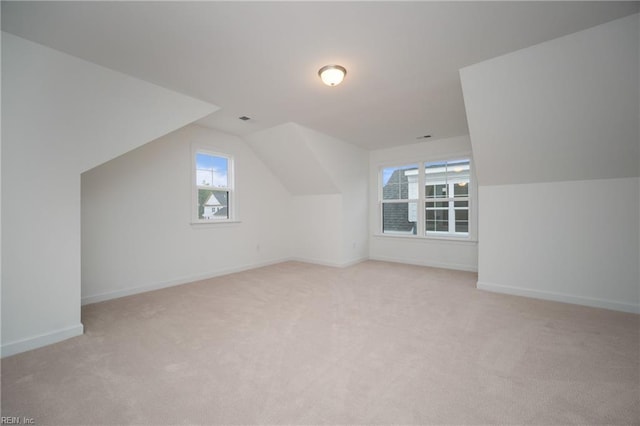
(441, 187)
(213, 186)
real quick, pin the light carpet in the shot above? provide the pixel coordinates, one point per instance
(294, 343)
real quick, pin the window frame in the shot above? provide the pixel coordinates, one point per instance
(230, 188)
(421, 232)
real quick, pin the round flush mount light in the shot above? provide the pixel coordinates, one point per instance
(332, 75)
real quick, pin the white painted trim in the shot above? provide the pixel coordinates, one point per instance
(444, 239)
(331, 264)
(214, 224)
(23, 345)
(456, 266)
(86, 300)
(560, 297)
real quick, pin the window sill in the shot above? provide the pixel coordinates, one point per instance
(213, 224)
(447, 239)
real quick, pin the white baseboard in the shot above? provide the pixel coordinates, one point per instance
(328, 263)
(456, 266)
(560, 297)
(86, 300)
(23, 345)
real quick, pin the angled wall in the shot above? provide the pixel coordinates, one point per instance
(328, 179)
(61, 116)
(348, 167)
(555, 135)
(136, 214)
(285, 150)
(137, 233)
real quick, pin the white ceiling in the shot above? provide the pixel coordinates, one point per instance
(261, 59)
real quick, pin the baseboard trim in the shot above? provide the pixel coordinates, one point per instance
(87, 300)
(329, 263)
(35, 342)
(455, 266)
(560, 297)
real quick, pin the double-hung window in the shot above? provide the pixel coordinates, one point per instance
(213, 189)
(428, 199)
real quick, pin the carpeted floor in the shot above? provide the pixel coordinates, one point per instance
(376, 343)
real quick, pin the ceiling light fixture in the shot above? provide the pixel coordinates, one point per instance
(332, 75)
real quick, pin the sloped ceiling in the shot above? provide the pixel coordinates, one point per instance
(85, 114)
(261, 58)
(567, 109)
(285, 150)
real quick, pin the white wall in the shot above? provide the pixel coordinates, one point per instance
(317, 229)
(453, 254)
(61, 115)
(285, 150)
(328, 179)
(136, 218)
(0, 184)
(348, 166)
(136, 231)
(555, 135)
(574, 241)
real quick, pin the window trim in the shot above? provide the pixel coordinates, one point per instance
(232, 216)
(471, 235)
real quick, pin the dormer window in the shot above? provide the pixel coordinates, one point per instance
(213, 188)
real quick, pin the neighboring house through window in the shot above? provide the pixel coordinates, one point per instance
(213, 186)
(400, 199)
(441, 189)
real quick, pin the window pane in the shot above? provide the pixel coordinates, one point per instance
(436, 191)
(462, 220)
(435, 172)
(462, 227)
(437, 204)
(400, 183)
(464, 204)
(437, 219)
(391, 191)
(213, 204)
(212, 170)
(399, 218)
(438, 176)
(461, 189)
(462, 215)
(458, 171)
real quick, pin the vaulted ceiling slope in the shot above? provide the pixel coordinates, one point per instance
(567, 109)
(278, 146)
(261, 58)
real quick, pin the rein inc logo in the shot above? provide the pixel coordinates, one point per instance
(16, 420)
